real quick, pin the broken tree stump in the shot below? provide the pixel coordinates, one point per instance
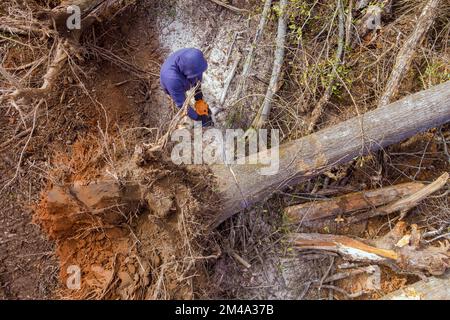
(349, 203)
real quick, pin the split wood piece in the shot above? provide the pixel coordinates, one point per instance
(397, 249)
(241, 186)
(406, 54)
(349, 203)
(318, 109)
(230, 7)
(430, 289)
(241, 87)
(413, 200)
(263, 114)
(348, 248)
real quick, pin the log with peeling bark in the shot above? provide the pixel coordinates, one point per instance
(242, 186)
(406, 54)
(349, 203)
(430, 289)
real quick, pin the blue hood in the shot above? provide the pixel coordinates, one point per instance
(192, 63)
(182, 71)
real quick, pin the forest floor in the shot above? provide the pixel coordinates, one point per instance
(102, 107)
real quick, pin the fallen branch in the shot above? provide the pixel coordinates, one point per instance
(413, 200)
(349, 248)
(317, 111)
(229, 80)
(230, 7)
(349, 203)
(263, 113)
(406, 54)
(250, 56)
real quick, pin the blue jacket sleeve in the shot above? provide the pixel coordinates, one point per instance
(176, 91)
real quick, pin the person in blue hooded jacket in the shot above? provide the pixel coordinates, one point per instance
(182, 71)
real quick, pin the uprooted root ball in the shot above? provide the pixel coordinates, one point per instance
(131, 231)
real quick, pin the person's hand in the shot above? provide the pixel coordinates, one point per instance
(207, 120)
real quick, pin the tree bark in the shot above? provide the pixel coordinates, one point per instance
(242, 186)
(349, 203)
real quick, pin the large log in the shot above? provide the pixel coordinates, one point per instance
(242, 186)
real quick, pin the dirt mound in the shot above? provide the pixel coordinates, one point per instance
(133, 231)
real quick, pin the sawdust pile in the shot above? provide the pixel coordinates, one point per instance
(131, 223)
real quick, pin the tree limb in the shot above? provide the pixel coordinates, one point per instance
(406, 54)
(263, 113)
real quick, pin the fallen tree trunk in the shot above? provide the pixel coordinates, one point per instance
(242, 186)
(430, 289)
(349, 203)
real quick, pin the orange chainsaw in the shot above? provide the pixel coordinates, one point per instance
(202, 109)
